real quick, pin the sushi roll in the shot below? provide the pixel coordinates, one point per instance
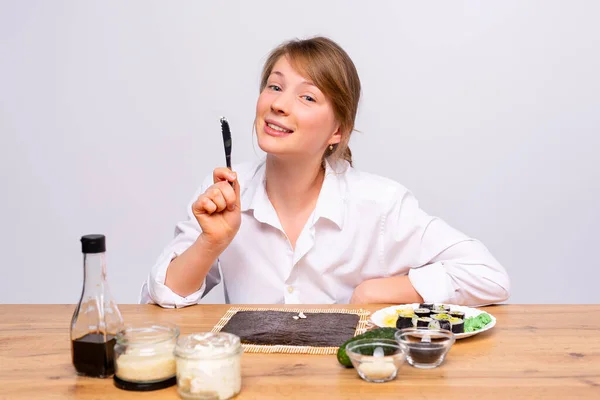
(438, 324)
(441, 317)
(458, 325)
(438, 312)
(422, 312)
(441, 307)
(445, 324)
(457, 314)
(405, 320)
(423, 322)
(427, 305)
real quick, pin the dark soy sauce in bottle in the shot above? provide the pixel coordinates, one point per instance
(96, 318)
(93, 355)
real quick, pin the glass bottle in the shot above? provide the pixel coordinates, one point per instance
(97, 318)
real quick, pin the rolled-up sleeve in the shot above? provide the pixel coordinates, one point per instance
(154, 290)
(445, 265)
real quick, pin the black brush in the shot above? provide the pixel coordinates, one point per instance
(226, 141)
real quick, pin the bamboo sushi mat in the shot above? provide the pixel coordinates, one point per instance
(275, 330)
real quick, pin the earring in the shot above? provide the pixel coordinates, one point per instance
(330, 147)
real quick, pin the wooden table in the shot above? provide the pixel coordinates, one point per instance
(534, 351)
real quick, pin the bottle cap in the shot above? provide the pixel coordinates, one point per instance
(91, 244)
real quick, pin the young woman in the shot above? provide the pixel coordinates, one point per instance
(304, 226)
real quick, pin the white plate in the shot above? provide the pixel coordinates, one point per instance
(379, 316)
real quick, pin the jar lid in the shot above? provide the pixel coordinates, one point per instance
(208, 345)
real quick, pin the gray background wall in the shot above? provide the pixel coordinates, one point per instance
(487, 111)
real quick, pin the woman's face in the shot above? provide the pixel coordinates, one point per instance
(293, 117)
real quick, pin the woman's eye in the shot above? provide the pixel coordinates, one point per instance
(275, 88)
(309, 98)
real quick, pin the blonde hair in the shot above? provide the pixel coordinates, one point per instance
(330, 68)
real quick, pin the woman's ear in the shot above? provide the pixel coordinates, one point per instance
(337, 136)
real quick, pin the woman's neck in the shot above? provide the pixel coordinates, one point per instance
(293, 186)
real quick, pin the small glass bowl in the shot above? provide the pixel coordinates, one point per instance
(425, 348)
(376, 360)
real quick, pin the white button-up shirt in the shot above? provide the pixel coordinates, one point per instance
(363, 226)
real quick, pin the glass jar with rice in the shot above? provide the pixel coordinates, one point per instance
(209, 365)
(144, 358)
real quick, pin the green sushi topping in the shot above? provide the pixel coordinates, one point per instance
(473, 324)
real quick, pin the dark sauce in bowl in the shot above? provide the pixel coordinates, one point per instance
(425, 348)
(427, 353)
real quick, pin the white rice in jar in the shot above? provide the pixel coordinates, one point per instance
(144, 358)
(209, 366)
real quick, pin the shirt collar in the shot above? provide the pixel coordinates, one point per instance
(254, 197)
(330, 204)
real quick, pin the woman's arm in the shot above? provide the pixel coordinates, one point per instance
(186, 273)
(396, 289)
(186, 270)
(443, 264)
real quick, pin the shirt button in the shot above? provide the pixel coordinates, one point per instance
(290, 289)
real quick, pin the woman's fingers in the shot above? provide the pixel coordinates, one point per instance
(236, 192)
(204, 205)
(227, 181)
(217, 198)
(229, 194)
(223, 174)
(216, 195)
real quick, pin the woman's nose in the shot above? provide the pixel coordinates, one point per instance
(281, 104)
